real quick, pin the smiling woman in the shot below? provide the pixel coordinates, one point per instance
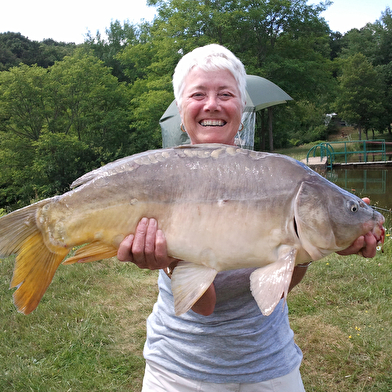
(209, 87)
(211, 107)
(224, 341)
(210, 94)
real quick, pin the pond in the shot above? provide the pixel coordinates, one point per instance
(374, 183)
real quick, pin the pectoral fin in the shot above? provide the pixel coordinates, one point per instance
(270, 282)
(189, 282)
(92, 252)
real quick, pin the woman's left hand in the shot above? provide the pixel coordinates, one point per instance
(365, 245)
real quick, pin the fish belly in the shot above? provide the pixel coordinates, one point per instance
(214, 234)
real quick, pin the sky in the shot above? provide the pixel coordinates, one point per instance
(344, 15)
(69, 21)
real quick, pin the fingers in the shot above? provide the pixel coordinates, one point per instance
(147, 248)
(143, 247)
(355, 247)
(123, 253)
(370, 248)
(365, 245)
(160, 245)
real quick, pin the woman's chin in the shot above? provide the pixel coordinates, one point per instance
(214, 138)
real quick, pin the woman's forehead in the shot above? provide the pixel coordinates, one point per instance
(204, 79)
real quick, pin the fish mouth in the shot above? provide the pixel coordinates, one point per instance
(212, 123)
(379, 230)
(379, 233)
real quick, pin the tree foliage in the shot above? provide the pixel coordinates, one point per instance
(360, 97)
(370, 49)
(118, 37)
(75, 105)
(65, 109)
(16, 48)
(58, 160)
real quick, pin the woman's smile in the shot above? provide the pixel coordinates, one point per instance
(212, 123)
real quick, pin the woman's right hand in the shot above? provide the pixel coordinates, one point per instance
(146, 248)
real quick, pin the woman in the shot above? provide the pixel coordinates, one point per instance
(235, 347)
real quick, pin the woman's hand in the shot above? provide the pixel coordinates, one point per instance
(365, 245)
(146, 248)
(205, 305)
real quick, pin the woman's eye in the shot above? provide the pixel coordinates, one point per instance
(225, 95)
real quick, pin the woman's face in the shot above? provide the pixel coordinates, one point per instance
(211, 106)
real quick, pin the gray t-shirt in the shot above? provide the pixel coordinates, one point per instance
(236, 344)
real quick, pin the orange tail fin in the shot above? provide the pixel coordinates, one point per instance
(35, 264)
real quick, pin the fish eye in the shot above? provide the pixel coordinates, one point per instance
(353, 206)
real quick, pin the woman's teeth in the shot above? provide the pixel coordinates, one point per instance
(212, 123)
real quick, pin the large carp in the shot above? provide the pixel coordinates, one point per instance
(220, 207)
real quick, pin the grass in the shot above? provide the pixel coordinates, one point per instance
(88, 332)
(299, 152)
(342, 319)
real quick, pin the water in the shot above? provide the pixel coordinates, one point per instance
(370, 182)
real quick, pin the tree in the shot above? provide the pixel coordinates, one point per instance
(374, 41)
(85, 99)
(52, 51)
(58, 160)
(23, 106)
(16, 155)
(151, 99)
(361, 41)
(360, 93)
(118, 37)
(385, 45)
(385, 72)
(384, 60)
(76, 96)
(16, 49)
(286, 42)
(58, 123)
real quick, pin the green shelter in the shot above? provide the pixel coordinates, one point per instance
(260, 94)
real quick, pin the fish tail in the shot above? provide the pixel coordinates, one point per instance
(35, 264)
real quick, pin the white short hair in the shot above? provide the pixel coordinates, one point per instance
(208, 58)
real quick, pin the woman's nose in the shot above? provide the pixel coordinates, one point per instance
(212, 103)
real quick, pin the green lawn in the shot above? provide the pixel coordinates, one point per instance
(87, 334)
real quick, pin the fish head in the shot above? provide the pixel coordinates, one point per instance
(329, 219)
